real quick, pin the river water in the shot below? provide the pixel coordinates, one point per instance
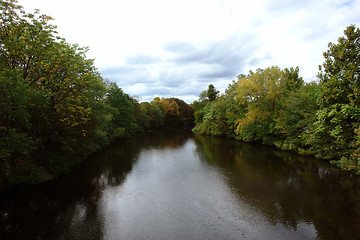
(171, 184)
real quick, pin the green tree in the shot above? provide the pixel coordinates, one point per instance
(295, 115)
(212, 93)
(16, 99)
(336, 129)
(340, 73)
(205, 97)
(123, 118)
(152, 116)
(291, 81)
(218, 117)
(58, 70)
(261, 95)
(215, 120)
(50, 92)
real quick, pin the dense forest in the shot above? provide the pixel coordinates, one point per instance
(55, 107)
(276, 107)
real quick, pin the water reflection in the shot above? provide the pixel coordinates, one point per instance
(288, 189)
(69, 207)
(66, 208)
(171, 185)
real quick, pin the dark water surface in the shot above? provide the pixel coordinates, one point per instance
(172, 185)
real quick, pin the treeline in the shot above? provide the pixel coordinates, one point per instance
(55, 108)
(277, 107)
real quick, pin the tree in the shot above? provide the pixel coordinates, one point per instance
(169, 107)
(152, 115)
(249, 106)
(218, 117)
(260, 92)
(123, 117)
(16, 100)
(295, 115)
(203, 96)
(291, 81)
(340, 74)
(49, 93)
(186, 110)
(215, 120)
(55, 69)
(336, 129)
(212, 93)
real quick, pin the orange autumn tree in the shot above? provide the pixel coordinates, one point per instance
(168, 106)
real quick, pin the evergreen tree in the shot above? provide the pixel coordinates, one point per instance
(212, 93)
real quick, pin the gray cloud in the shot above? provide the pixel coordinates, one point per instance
(228, 73)
(178, 47)
(142, 59)
(171, 80)
(256, 60)
(219, 53)
(161, 91)
(118, 70)
(285, 33)
(128, 75)
(217, 60)
(186, 71)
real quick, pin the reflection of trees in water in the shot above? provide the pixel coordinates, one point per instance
(47, 211)
(170, 137)
(286, 187)
(67, 208)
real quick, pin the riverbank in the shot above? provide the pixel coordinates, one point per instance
(56, 108)
(47, 165)
(261, 107)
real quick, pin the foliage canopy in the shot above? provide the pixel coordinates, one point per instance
(55, 108)
(275, 106)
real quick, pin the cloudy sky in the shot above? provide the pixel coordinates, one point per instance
(176, 48)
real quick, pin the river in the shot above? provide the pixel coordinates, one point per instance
(170, 184)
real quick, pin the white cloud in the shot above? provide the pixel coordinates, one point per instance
(177, 48)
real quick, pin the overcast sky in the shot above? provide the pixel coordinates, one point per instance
(176, 48)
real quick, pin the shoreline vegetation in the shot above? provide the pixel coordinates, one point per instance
(56, 109)
(276, 107)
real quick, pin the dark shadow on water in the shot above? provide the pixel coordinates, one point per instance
(286, 187)
(67, 208)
